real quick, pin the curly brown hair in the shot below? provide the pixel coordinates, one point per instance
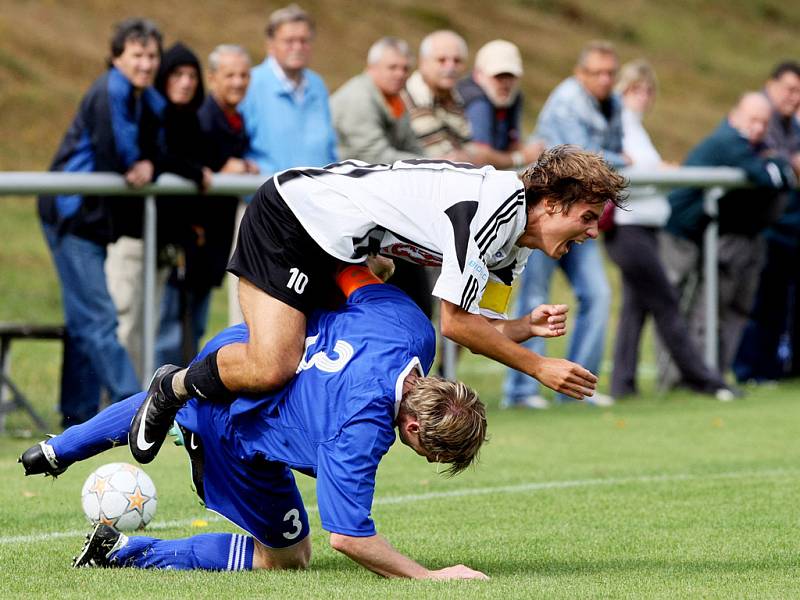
(452, 420)
(568, 174)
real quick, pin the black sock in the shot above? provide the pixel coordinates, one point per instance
(169, 393)
(203, 381)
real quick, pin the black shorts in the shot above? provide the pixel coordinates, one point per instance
(275, 253)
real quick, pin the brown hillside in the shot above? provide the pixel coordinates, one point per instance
(705, 52)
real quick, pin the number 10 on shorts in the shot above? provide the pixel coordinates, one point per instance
(297, 280)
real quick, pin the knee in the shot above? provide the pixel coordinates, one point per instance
(268, 369)
(596, 300)
(297, 557)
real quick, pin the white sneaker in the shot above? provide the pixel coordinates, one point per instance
(536, 401)
(599, 399)
(724, 395)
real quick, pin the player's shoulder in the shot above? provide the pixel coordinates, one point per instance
(388, 310)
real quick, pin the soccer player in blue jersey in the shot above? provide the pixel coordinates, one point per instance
(361, 375)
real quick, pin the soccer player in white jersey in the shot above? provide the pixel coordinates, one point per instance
(478, 224)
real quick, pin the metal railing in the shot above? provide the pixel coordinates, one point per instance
(715, 181)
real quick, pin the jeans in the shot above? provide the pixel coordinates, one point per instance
(583, 266)
(170, 344)
(647, 291)
(93, 356)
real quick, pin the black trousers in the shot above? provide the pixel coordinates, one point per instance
(647, 291)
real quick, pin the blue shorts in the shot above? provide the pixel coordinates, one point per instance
(258, 495)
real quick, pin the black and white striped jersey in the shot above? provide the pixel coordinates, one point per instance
(431, 212)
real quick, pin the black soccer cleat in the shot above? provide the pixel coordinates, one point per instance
(100, 543)
(41, 459)
(153, 420)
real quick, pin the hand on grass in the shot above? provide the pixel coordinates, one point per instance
(456, 572)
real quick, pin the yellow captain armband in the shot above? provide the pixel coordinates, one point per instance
(496, 297)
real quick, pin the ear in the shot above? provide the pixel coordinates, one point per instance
(551, 206)
(412, 425)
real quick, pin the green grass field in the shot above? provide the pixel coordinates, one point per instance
(670, 497)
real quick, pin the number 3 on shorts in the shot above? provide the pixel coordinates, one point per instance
(293, 516)
(297, 280)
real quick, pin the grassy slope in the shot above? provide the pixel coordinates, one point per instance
(705, 52)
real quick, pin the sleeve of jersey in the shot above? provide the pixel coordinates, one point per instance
(346, 475)
(496, 297)
(463, 278)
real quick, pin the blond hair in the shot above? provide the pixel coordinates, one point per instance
(566, 174)
(634, 73)
(452, 420)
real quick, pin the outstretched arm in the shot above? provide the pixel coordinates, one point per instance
(476, 333)
(377, 554)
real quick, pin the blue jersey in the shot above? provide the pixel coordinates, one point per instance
(335, 419)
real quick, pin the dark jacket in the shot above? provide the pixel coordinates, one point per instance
(184, 150)
(744, 211)
(213, 218)
(783, 137)
(113, 129)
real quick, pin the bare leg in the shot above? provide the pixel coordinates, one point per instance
(270, 357)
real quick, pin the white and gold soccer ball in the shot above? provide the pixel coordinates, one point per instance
(120, 495)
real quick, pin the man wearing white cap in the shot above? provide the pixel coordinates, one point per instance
(493, 106)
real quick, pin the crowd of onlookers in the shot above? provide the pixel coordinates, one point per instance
(155, 110)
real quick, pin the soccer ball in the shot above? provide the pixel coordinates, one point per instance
(120, 495)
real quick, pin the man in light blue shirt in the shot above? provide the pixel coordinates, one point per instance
(583, 111)
(286, 110)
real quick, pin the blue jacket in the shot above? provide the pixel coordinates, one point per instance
(284, 133)
(745, 211)
(112, 130)
(571, 115)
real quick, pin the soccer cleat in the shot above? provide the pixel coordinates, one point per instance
(101, 542)
(41, 458)
(153, 420)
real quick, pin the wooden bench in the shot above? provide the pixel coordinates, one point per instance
(11, 397)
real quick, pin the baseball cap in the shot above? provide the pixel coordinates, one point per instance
(499, 56)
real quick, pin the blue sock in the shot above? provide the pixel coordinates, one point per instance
(105, 430)
(210, 551)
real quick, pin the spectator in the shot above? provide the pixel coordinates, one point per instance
(633, 246)
(116, 129)
(370, 117)
(769, 348)
(493, 105)
(584, 111)
(179, 81)
(192, 222)
(435, 106)
(212, 218)
(286, 110)
(743, 215)
(372, 123)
